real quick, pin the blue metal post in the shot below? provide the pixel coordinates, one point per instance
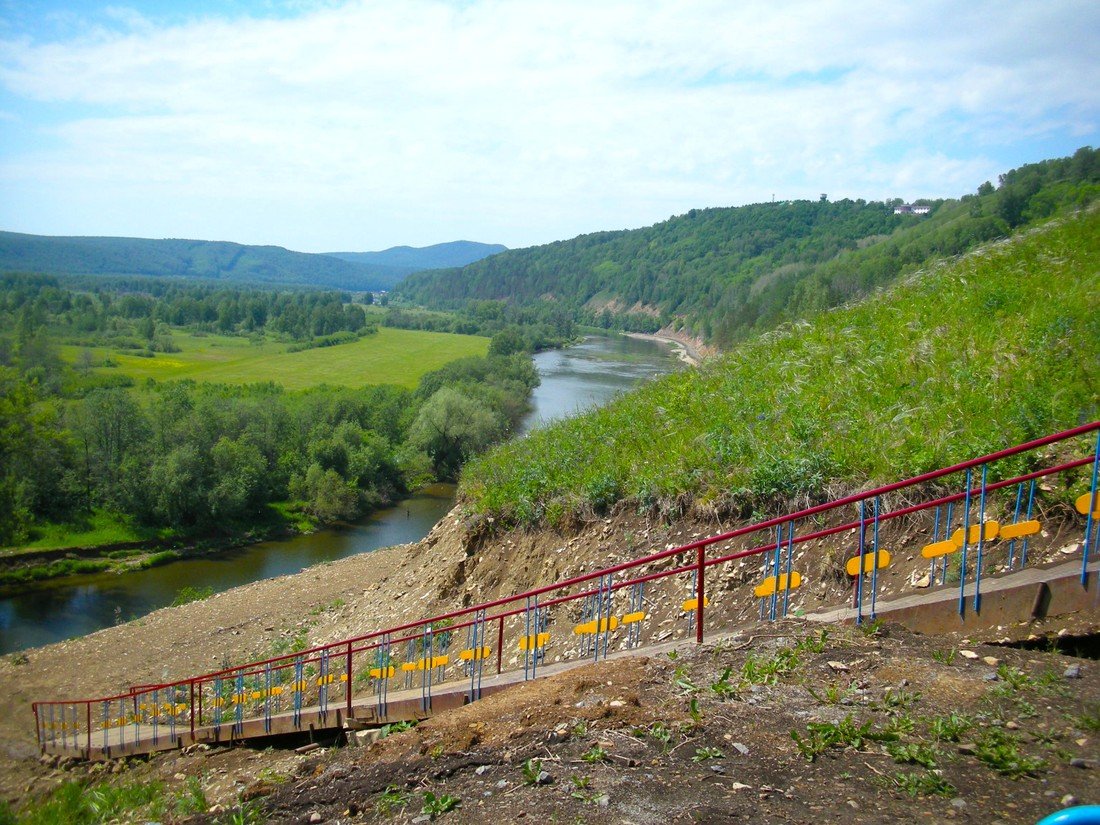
(874, 567)
(862, 554)
(935, 538)
(1030, 505)
(790, 551)
(966, 539)
(1015, 519)
(981, 544)
(1087, 549)
(775, 568)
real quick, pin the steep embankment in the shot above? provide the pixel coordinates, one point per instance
(969, 357)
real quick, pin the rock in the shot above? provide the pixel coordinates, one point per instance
(968, 654)
(1069, 800)
(967, 748)
(992, 661)
(719, 769)
(740, 786)
(958, 803)
(1078, 762)
(481, 769)
(740, 748)
(923, 581)
(616, 703)
(544, 778)
(1012, 726)
(838, 667)
(991, 677)
(1073, 672)
(315, 818)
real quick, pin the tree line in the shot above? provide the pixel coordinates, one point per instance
(724, 274)
(200, 457)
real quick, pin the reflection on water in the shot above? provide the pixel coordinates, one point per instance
(83, 604)
(574, 379)
(592, 373)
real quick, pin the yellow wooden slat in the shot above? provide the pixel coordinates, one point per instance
(534, 642)
(475, 653)
(377, 672)
(1082, 505)
(939, 548)
(869, 559)
(1019, 530)
(409, 666)
(987, 532)
(590, 627)
(774, 584)
(631, 618)
(693, 604)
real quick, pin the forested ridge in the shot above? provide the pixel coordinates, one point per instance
(723, 274)
(171, 258)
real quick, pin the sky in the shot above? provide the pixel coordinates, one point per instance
(352, 126)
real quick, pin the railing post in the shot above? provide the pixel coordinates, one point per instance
(348, 693)
(38, 728)
(88, 715)
(191, 684)
(500, 642)
(700, 594)
(1093, 493)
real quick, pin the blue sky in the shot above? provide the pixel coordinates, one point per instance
(361, 125)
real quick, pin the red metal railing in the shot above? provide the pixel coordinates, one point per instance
(312, 683)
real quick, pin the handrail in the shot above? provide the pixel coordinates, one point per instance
(480, 613)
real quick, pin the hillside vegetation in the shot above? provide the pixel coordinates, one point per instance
(725, 274)
(172, 258)
(996, 348)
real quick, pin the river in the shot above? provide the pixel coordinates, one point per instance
(573, 379)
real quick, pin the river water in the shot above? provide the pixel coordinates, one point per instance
(573, 380)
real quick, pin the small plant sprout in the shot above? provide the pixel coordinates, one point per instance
(436, 805)
(702, 754)
(531, 769)
(594, 754)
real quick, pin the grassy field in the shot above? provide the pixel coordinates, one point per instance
(967, 358)
(93, 530)
(392, 356)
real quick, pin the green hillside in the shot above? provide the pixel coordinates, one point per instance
(991, 350)
(725, 274)
(170, 258)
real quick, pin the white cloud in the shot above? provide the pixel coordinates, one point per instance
(366, 124)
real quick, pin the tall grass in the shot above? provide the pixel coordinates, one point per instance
(969, 357)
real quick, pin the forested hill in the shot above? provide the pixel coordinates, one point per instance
(212, 260)
(410, 259)
(725, 273)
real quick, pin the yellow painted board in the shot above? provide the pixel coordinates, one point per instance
(882, 557)
(939, 548)
(1019, 530)
(693, 604)
(475, 653)
(1082, 504)
(377, 672)
(631, 618)
(408, 666)
(534, 641)
(590, 627)
(987, 532)
(774, 584)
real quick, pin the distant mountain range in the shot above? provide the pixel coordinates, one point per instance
(415, 259)
(229, 262)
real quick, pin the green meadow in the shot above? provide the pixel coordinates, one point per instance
(391, 356)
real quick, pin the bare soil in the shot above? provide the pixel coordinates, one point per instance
(643, 778)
